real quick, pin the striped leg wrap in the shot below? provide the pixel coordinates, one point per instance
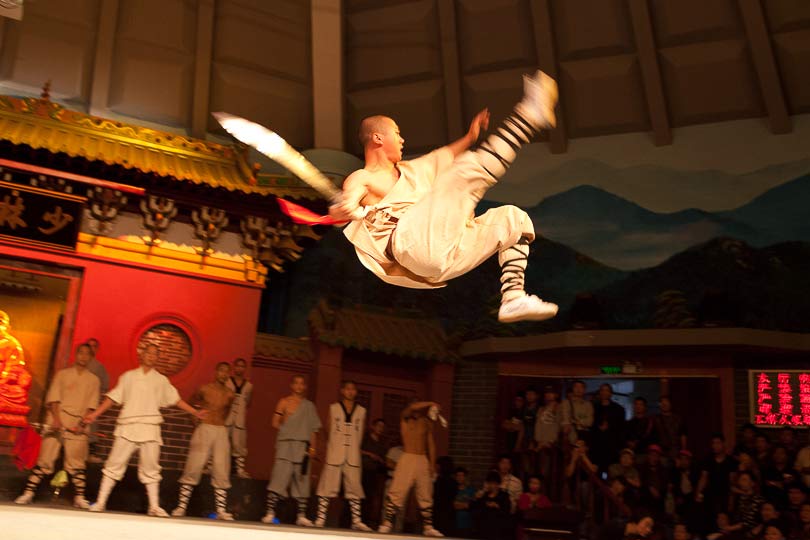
(323, 508)
(34, 479)
(79, 479)
(354, 506)
(272, 501)
(513, 261)
(184, 496)
(427, 517)
(390, 511)
(498, 151)
(221, 500)
(302, 506)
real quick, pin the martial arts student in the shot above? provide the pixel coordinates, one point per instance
(297, 423)
(74, 393)
(347, 420)
(237, 426)
(414, 468)
(419, 228)
(141, 392)
(210, 441)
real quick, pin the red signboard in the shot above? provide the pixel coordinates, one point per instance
(780, 398)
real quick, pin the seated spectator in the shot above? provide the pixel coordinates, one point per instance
(762, 446)
(683, 484)
(745, 463)
(626, 468)
(491, 510)
(723, 529)
(802, 530)
(774, 531)
(534, 497)
(777, 476)
(681, 532)
(640, 527)
(747, 505)
(767, 514)
(788, 439)
(654, 477)
(465, 495)
(509, 482)
(796, 497)
(802, 465)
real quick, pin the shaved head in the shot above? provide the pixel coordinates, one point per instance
(371, 125)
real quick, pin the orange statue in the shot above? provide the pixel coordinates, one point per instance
(15, 380)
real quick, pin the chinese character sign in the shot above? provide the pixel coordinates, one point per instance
(780, 398)
(38, 216)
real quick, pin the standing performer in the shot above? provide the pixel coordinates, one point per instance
(210, 441)
(414, 468)
(297, 423)
(347, 420)
(237, 427)
(73, 394)
(419, 228)
(142, 392)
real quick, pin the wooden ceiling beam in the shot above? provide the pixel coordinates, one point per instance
(452, 73)
(547, 61)
(650, 72)
(759, 43)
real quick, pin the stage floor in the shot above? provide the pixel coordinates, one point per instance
(35, 522)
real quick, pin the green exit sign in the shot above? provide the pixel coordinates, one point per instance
(611, 370)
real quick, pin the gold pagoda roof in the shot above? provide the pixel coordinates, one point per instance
(43, 124)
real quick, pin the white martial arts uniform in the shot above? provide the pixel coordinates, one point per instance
(343, 458)
(236, 422)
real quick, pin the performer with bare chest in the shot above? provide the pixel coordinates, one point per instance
(210, 440)
(414, 467)
(297, 423)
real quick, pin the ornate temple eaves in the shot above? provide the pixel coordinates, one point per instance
(43, 124)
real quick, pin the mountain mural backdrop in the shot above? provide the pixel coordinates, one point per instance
(609, 263)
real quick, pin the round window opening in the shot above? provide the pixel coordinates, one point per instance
(174, 345)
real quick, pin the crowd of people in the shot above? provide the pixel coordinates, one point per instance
(590, 456)
(617, 477)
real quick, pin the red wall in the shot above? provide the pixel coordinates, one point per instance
(118, 301)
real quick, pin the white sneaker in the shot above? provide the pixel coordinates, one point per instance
(95, 507)
(526, 308)
(225, 516)
(302, 521)
(319, 523)
(540, 95)
(156, 511)
(81, 502)
(430, 531)
(360, 526)
(179, 512)
(385, 528)
(268, 517)
(25, 498)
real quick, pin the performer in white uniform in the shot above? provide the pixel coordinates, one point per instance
(237, 426)
(73, 393)
(419, 228)
(141, 392)
(343, 460)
